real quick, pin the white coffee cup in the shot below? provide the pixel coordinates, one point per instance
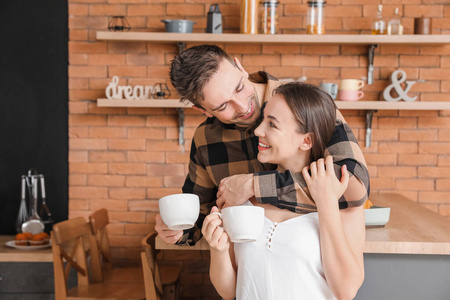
(351, 84)
(179, 211)
(242, 223)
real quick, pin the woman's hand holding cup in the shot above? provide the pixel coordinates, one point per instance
(214, 233)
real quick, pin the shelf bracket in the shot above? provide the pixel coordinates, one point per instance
(181, 47)
(371, 55)
(180, 126)
(369, 116)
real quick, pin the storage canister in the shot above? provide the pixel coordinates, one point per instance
(316, 17)
(249, 16)
(268, 17)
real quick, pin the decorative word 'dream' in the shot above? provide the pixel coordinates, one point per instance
(116, 91)
(402, 93)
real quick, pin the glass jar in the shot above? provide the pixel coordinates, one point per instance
(268, 17)
(395, 25)
(316, 17)
(249, 17)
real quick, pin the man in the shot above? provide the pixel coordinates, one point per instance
(224, 144)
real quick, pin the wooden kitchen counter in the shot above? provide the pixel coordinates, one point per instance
(8, 254)
(412, 229)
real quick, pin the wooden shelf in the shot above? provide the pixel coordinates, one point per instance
(400, 105)
(353, 39)
(363, 105)
(167, 103)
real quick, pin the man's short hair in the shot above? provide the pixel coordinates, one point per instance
(193, 68)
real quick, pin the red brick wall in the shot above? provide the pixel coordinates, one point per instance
(124, 159)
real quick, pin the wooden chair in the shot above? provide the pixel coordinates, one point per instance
(69, 250)
(161, 282)
(101, 262)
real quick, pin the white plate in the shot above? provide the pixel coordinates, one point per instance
(377, 215)
(12, 244)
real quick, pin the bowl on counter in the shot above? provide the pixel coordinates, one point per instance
(377, 215)
(179, 26)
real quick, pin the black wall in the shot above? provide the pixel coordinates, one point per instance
(33, 103)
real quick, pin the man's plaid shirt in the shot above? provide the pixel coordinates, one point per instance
(220, 150)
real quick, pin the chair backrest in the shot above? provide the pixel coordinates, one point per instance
(152, 275)
(68, 248)
(101, 252)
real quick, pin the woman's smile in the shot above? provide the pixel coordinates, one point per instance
(262, 146)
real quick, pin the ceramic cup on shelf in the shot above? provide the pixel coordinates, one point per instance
(349, 89)
(348, 95)
(330, 88)
(242, 223)
(179, 211)
(351, 84)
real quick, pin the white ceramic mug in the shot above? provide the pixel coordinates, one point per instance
(179, 211)
(242, 223)
(330, 88)
(351, 84)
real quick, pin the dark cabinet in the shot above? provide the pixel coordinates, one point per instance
(28, 280)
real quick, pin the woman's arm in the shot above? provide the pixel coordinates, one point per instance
(223, 274)
(342, 238)
(342, 233)
(222, 269)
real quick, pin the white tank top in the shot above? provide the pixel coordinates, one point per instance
(284, 263)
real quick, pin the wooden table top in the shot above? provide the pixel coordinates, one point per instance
(8, 254)
(412, 229)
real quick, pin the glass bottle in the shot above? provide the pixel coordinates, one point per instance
(316, 17)
(249, 17)
(268, 17)
(395, 24)
(379, 24)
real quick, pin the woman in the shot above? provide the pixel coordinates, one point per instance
(318, 255)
